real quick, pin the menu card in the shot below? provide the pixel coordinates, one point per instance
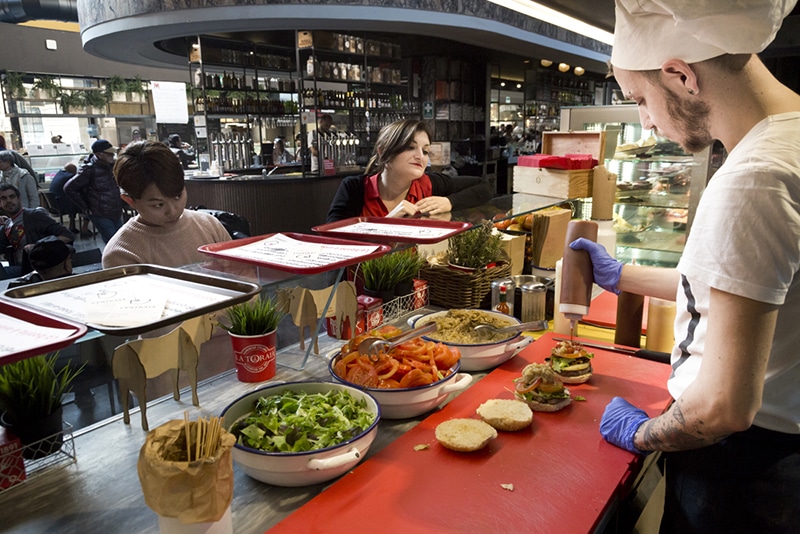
(130, 301)
(20, 336)
(280, 249)
(405, 231)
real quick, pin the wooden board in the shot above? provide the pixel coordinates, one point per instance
(566, 477)
(574, 142)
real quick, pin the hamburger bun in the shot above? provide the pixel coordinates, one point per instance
(464, 435)
(505, 414)
(579, 379)
(541, 388)
(548, 406)
(571, 362)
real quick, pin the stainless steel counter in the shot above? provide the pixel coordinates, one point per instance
(101, 491)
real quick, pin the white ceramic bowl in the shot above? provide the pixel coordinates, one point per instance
(300, 468)
(481, 356)
(402, 403)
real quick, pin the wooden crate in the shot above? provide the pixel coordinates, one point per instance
(556, 182)
(553, 182)
(582, 142)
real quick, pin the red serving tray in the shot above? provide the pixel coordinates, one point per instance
(39, 318)
(566, 477)
(217, 250)
(335, 229)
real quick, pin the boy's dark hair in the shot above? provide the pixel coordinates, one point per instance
(148, 162)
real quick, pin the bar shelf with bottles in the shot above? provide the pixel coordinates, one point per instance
(358, 80)
(248, 93)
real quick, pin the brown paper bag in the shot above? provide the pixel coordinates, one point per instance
(193, 492)
(514, 245)
(548, 234)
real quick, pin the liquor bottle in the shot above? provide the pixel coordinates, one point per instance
(502, 306)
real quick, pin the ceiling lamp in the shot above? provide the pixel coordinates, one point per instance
(579, 71)
(502, 84)
(545, 63)
(519, 86)
(563, 67)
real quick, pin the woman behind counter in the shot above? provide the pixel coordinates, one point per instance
(395, 183)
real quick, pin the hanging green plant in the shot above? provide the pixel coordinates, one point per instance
(48, 85)
(16, 87)
(95, 99)
(71, 100)
(115, 84)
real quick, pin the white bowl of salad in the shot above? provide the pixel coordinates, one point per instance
(301, 433)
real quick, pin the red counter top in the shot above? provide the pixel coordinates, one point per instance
(565, 476)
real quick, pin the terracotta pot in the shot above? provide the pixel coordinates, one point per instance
(254, 356)
(39, 437)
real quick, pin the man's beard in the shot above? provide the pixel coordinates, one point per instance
(690, 118)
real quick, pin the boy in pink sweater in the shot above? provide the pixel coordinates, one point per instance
(150, 178)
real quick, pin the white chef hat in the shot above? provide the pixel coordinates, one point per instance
(649, 32)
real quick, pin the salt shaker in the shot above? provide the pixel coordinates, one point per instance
(534, 297)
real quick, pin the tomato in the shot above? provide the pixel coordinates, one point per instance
(388, 373)
(521, 387)
(447, 357)
(416, 378)
(340, 369)
(361, 376)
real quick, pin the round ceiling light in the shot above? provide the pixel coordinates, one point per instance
(563, 67)
(579, 71)
(545, 63)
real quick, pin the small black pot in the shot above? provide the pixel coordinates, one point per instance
(404, 288)
(39, 437)
(386, 295)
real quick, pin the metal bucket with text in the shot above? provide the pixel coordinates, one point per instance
(254, 356)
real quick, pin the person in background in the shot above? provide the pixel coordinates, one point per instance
(325, 125)
(19, 178)
(56, 139)
(731, 439)
(50, 258)
(19, 160)
(396, 183)
(280, 156)
(65, 205)
(299, 154)
(22, 228)
(151, 181)
(184, 151)
(94, 191)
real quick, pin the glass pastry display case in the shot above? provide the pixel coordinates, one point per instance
(658, 184)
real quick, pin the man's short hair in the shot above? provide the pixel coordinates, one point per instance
(5, 186)
(148, 162)
(7, 156)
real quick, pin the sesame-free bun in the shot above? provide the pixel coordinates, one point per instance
(464, 435)
(505, 414)
(580, 379)
(548, 406)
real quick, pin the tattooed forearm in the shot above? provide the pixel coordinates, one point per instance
(671, 432)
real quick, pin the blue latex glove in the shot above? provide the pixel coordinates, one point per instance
(620, 422)
(605, 269)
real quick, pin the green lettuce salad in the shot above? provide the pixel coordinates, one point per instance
(295, 421)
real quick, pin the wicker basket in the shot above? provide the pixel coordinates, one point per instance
(451, 288)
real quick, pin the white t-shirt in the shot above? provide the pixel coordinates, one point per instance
(745, 240)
